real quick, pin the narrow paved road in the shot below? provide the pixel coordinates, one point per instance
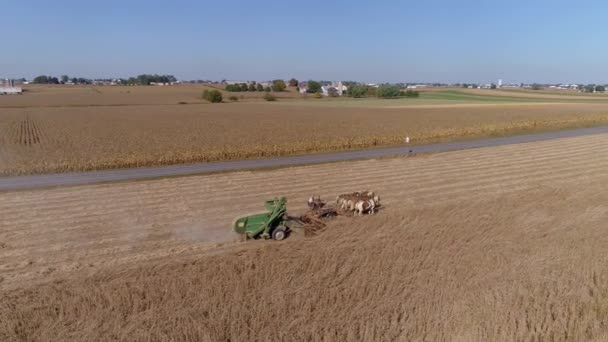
(92, 177)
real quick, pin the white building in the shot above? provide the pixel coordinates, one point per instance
(8, 88)
(303, 87)
(499, 82)
(416, 86)
(341, 88)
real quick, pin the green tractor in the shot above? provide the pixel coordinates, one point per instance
(273, 224)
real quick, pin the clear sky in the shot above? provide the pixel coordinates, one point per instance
(376, 41)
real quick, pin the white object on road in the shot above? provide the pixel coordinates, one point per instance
(407, 140)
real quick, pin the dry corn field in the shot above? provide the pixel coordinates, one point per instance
(55, 129)
(496, 244)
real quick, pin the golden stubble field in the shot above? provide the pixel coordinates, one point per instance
(58, 129)
(503, 243)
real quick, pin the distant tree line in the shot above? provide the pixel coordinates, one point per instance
(146, 79)
(139, 80)
(591, 88)
(43, 79)
(238, 87)
(277, 86)
(385, 91)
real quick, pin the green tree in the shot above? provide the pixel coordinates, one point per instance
(259, 87)
(213, 96)
(244, 87)
(251, 87)
(600, 88)
(536, 86)
(41, 79)
(410, 93)
(267, 89)
(233, 88)
(65, 79)
(493, 86)
(293, 82)
(278, 85)
(269, 97)
(357, 90)
(388, 91)
(313, 87)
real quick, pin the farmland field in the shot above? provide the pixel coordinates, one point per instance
(502, 243)
(57, 129)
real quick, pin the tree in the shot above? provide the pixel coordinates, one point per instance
(269, 97)
(313, 87)
(388, 91)
(267, 89)
(251, 87)
(332, 92)
(600, 88)
(146, 79)
(65, 79)
(493, 86)
(357, 90)
(278, 85)
(259, 87)
(293, 82)
(233, 88)
(410, 93)
(213, 96)
(41, 79)
(244, 87)
(536, 86)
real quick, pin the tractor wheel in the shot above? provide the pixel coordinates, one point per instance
(279, 234)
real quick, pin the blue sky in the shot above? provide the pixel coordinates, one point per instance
(380, 41)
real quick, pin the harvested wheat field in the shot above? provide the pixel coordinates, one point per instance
(502, 243)
(111, 133)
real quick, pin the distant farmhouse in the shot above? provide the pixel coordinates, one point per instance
(7, 87)
(340, 88)
(263, 83)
